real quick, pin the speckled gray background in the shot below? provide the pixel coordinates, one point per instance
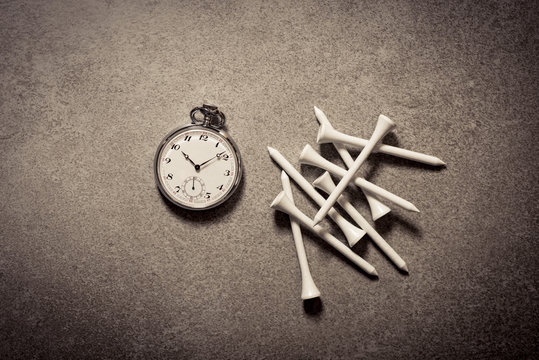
(94, 263)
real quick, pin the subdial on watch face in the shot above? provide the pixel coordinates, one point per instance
(193, 187)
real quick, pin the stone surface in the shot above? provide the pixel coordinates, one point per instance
(95, 264)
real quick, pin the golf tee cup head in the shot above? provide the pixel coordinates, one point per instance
(309, 156)
(325, 134)
(324, 183)
(385, 124)
(308, 288)
(351, 232)
(378, 209)
(283, 204)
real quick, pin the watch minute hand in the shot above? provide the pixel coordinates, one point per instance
(216, 156)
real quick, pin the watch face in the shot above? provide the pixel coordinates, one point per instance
(197, 167)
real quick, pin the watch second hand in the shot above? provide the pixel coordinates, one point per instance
(216, 156)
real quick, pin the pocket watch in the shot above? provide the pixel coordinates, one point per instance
(198, 166)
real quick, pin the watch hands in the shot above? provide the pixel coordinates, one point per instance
(218, 156)
(193, 183)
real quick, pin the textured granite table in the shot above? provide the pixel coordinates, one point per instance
(94, 263)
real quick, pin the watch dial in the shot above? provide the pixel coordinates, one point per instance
(197, 168)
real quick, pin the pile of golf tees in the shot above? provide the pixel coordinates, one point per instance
(375, 195)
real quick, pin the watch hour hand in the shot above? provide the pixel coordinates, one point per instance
(188, 159)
